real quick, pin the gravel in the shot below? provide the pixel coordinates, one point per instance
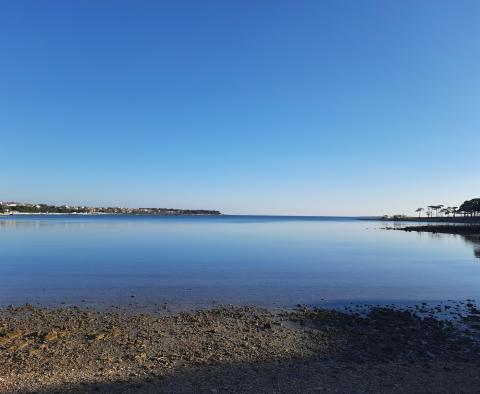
(245, 349)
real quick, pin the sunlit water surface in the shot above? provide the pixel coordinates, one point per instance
(121, 260)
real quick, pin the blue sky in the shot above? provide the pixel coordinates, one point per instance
(292, 107)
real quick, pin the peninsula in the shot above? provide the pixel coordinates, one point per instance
(467, 212)
(13, 208)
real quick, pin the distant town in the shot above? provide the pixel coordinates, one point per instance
(16, 208)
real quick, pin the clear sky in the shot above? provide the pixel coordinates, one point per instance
(292, 107)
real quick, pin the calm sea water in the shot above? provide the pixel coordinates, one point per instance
(229, 259)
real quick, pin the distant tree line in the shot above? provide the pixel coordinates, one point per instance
(468, 208)
(471, 207)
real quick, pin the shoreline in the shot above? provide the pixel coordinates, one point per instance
(467, 230)
(460, 220)
(246, 349)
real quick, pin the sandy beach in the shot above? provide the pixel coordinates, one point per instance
(244, 349)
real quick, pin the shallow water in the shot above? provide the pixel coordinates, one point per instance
(261, 260)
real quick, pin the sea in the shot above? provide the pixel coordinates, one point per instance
(185, 262)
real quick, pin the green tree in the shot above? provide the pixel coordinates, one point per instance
(435, 208)
(471, 207)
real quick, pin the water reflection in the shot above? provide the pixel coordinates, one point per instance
(12, 224)
(475, 242)
(470, 240)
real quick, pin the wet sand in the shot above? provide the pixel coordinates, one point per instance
(244, 349)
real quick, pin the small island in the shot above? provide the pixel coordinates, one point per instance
(15, 208)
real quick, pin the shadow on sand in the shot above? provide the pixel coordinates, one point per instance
(300, 376)
(385, 352)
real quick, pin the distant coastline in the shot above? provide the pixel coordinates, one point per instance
(458, 219)
(467, 213)
(15, 208)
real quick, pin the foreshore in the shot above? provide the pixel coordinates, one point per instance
(443, 219)
(471, 230)
(244, 349)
